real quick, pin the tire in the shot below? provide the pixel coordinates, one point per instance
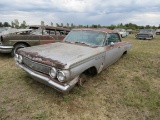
(16, 47)
(82, 79)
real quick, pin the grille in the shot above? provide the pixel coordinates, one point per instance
(36, 66)
(143, 35)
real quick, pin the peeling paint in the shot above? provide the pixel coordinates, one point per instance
(36, 57)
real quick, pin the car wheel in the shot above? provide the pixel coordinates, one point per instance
(81, 80)
(16, 47)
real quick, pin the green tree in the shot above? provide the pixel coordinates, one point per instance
(72, 25)
(6, 24)
(42, 23)
(1, 24)
(12, 24)
(154, 27)
(16, 23)
(23, 25)
(94, 26)
(80, 26)
(67, 24)
(57, 25)
(111, 27)
(148, 27)
(51, 23)
(99, 26)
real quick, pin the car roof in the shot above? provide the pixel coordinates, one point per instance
(50, 27)
(97, 29)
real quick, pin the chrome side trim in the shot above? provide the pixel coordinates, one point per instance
(48, 81)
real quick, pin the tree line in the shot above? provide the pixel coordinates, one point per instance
(16, 24)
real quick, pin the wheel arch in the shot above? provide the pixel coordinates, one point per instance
(28, 45)
(90, 71)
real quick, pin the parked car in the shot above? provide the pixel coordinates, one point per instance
(129, 31)
(145, 34)
(13, 39)
(122, 32)
(61, 65)
(158, 32)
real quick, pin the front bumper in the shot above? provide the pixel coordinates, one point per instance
(144, 37)
(46, 80)
(157, 33)
(6, 49)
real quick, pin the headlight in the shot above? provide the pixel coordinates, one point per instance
(61, 76)
(18, 58)
(53, 72)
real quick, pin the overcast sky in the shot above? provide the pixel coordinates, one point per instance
(84, 12)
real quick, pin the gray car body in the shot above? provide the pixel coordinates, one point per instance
(72, 59)
(148, 34)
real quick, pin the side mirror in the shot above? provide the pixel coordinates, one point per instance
(111, 44)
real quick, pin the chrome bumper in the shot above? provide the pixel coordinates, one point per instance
(49, 82)
(147, 38)
(6, 49)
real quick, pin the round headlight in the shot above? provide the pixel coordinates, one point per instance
(16, 57)
(20, 58)
(53, 72)
(61, 76)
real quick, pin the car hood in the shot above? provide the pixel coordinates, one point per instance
(61, 55)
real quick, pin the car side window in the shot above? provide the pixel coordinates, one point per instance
(112, 37)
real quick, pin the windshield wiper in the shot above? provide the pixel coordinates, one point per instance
(81, 43)
(69, 41)
(85, 44)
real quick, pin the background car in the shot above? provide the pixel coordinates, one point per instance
(145, 34)
(129, 31)
(122, 32)
(13, 39)
(158, 32)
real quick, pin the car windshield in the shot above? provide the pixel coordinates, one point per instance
(91, 38)
(2, 29)
(145, 31)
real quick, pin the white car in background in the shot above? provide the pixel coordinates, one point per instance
(122, 32)
(158, 32)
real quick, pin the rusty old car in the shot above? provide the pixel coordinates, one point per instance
(62, 65)
(13, 39)
(145, 34)
(157, 32)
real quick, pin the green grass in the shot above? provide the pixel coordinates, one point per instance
(127, 90)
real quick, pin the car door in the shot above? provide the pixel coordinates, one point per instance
(113, 50)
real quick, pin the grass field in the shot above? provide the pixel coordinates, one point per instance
(127, 90)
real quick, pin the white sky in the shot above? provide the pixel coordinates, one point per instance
(84, 12)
